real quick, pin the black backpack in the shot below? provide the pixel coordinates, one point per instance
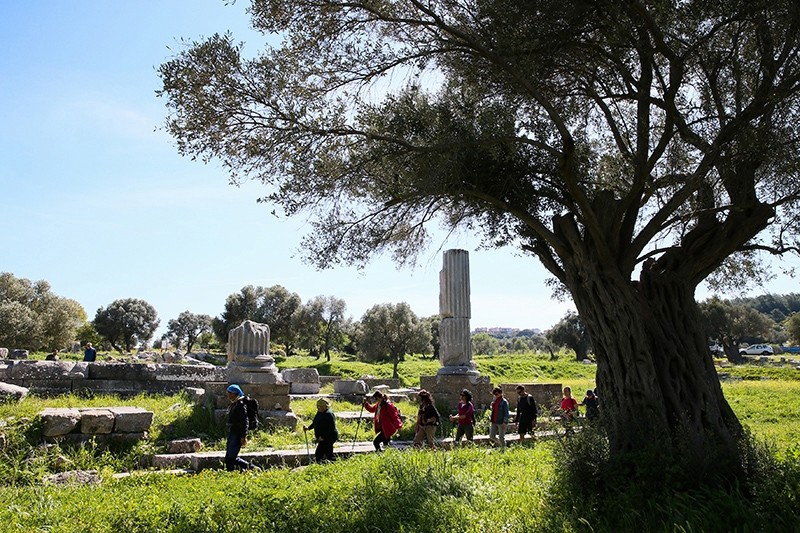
(251, 408)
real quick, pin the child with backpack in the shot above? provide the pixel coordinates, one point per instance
(427, 421)
(465, 418)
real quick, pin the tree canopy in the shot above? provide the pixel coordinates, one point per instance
(390, 332)
(188, 327)
(126, 322)
(32, 317)
(635, 149)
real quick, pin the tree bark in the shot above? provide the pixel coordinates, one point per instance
(657, 384)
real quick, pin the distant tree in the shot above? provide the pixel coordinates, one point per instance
(239, 307)
(731, 323)
(484, 344)
(571, 332)
(391, 331)
(320, 325)
(127, 322)
(189, 327)
(86, 333)
(19, 326)
(793, 328)
(433, 322)
(33, 317)
(273, 306)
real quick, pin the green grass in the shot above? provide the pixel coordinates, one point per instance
(468, 490)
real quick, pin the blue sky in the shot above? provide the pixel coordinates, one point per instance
(97, 201)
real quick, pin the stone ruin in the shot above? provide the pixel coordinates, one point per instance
(103, 424)
(457, 369)
(252, 368)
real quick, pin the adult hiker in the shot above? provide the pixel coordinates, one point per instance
(592, 404)
(386, 421)
(427, 421)
(465, 417)
(237, 429)
(325, 432)
(526, 413)
(500, 416)
(89, 354)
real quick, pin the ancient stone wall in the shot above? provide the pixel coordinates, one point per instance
(125, 379)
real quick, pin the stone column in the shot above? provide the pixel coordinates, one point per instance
(455, 344)
(249, 360)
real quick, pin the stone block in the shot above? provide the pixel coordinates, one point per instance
(374, 383)
(193, 373)
(12, 392)
(3, 353)
(131, 419)
(96, 421)
(302, 380)
(50, 370)
(184, 446)
(350, 386)
(46, 387)
(121, 371)
(5, 370)
(59, 421)
(79, 371)
(195, 394)
(446, 389)
(126, 438)
(166, 461)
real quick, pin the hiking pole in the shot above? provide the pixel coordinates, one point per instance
(358, 425)
(308, 453)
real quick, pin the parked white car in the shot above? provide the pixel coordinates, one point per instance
(757, 349)
(715, 349)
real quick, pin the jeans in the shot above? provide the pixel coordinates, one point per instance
(467, 429)
(499, 431)
(232, 459)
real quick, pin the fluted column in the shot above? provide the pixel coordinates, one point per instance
(455, 344)
(249, 360)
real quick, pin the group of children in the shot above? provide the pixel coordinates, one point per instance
(387, 421)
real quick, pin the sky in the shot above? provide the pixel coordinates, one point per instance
(97, 201)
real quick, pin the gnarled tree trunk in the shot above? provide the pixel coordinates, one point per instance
(656, 381)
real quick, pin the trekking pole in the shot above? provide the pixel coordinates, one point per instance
(308, 453)
(358, 425)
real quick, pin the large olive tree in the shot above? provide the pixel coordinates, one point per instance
(632, 147)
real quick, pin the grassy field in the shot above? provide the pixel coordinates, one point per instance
(469, 490)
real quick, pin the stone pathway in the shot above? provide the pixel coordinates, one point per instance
(299, 456)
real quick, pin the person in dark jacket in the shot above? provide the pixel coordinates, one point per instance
(325, 432)
(526, 413)
(237, 430)
(90, 354)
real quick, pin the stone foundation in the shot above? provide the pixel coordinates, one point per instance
(47, 378)
(446, 389)
(109, 424)
(547, 395)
